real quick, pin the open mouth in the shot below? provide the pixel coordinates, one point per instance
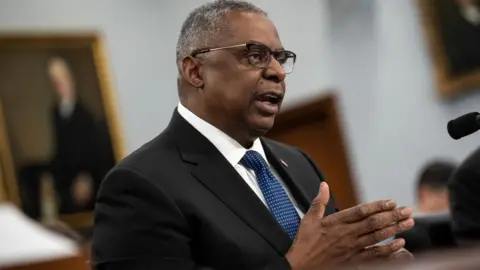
(271, 98)
(268, 103)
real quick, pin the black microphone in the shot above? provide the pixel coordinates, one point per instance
(464, 125)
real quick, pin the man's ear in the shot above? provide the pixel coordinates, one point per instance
(191, 69)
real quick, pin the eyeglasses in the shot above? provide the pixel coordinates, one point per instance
(259, 55)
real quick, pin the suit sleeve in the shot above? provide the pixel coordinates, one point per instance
(138, 227)
(322, 178)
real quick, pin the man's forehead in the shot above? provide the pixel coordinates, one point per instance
(246, 27)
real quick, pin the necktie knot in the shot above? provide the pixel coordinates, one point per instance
(254, 161)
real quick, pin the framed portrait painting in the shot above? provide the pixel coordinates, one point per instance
(59, 125)
(452, 28)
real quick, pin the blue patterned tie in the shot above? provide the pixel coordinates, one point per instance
(277, 199)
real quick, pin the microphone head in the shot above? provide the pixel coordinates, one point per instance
(464, 125)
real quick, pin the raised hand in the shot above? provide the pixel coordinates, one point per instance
(347, 235)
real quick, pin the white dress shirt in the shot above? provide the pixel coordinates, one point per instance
(66, 108)
(234, 152)
(471, 13)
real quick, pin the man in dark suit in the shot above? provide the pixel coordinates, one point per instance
(210, 191)
(464, 188)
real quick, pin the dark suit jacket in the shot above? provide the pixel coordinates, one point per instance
(74, 140)
(176, 203)
(464, 190)
(82, 144)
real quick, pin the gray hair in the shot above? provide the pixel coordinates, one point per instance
(204, 25)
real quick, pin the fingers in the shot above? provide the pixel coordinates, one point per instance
(362, 211)
(384, 251)
(381, 220)
(401, 254)
(320, 202)
(385, 233)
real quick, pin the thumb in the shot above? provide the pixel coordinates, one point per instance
(319, 203)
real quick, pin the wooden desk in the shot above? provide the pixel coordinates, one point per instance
(73, 263)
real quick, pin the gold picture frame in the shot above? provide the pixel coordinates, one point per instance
(7, 174)
(49, 44)
(449, 39)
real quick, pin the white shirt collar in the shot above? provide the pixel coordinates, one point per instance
(66, 107)
(229, 148)
(471, 13)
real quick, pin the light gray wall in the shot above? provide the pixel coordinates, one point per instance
(410, 120)
(371, 51)
(353, 51)
(395, 120)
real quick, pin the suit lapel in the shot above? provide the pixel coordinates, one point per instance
(303, 186)
(285, 172)
(216, 174)
(222, 179)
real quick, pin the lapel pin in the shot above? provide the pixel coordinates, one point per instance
(284, 163)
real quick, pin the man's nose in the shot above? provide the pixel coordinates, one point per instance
(275, 71)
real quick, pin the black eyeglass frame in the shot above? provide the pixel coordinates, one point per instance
(248, 47)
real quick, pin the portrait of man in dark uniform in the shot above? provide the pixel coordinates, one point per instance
(453, 28)
(59, 122)
(460, 32)
(82, 152)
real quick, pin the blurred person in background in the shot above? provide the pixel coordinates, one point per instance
(432, 228)
(432, 187)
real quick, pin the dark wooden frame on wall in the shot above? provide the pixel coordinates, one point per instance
(63, 40)
(448, 86)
